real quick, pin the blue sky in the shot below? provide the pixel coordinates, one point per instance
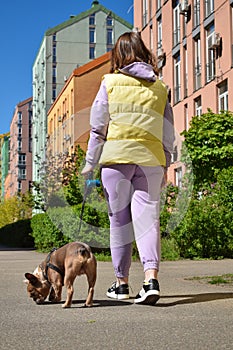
(22, 26)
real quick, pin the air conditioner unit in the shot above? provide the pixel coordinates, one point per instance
(184, 7)
(59, 119)
(216, 41)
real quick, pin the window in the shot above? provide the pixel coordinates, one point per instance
(150, 9)
(22, 174)
(186, 117)
(19, 145)
(160, 74)
(231, 36)
(19, 186)
(19, 117)
(177, 79)
(54, 94)
(144, 12)
(109, 36)
(54, 74)
(209, 7)
(92, 19)
(197, 63)
(178, 177)
(54, 52)
(22, 159)
(159, 4)
(174, 155)
(151, 37)
(185, 72)
(176, 23)
(19, 133)
(109, 21)
(198, 106)
(72, 102)
(185, 26)
(91, 35)
(110, 40)
(159, 32)
(210, 58)
(92, 52)
(196, 13)
(223, 96)
(30, 145)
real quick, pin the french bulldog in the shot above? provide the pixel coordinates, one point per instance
(61, 267)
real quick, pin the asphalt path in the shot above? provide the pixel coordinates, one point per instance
(190, 315)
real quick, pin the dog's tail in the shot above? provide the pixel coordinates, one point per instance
(84, 250)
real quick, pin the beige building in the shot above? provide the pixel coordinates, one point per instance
(68, 118)
(193, 41)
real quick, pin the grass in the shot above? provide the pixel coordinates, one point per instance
(218, 280)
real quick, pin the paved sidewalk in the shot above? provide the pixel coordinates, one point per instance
(189, 315)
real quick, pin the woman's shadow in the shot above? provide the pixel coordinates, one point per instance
(193, 298)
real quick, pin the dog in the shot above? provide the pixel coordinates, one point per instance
(61, 267)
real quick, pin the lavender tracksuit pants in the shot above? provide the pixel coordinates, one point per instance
(133, 196)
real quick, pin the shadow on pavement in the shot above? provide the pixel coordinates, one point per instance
(193, 298)
(6, 248)
(96, 303)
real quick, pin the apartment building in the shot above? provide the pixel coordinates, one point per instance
(193, 42)
(69, 116)
(65, 47)
(19, 177)
(4, 160)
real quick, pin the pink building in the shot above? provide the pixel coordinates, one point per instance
(19, 177)
(193, 41)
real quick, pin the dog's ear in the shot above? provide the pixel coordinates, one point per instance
(31, 278)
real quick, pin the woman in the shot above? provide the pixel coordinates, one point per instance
(131, 138)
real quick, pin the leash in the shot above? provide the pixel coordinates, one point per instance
(89, 184)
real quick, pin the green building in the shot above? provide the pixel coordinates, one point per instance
(5, 145)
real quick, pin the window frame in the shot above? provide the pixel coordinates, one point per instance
(223, 96)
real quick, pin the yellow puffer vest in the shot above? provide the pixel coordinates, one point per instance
(135, 130)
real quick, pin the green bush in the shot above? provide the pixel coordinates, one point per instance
(207, 229)
(60, 225)
(46, 235)
(169, 249)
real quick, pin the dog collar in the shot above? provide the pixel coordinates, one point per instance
(48, 265)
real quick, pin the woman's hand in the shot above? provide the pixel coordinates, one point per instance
(87, 170)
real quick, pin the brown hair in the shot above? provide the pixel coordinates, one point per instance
(130, 48)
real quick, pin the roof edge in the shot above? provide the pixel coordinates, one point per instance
(84, 14)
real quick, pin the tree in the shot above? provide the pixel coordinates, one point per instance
(71, 178)
(16, 208)
(209, 145)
